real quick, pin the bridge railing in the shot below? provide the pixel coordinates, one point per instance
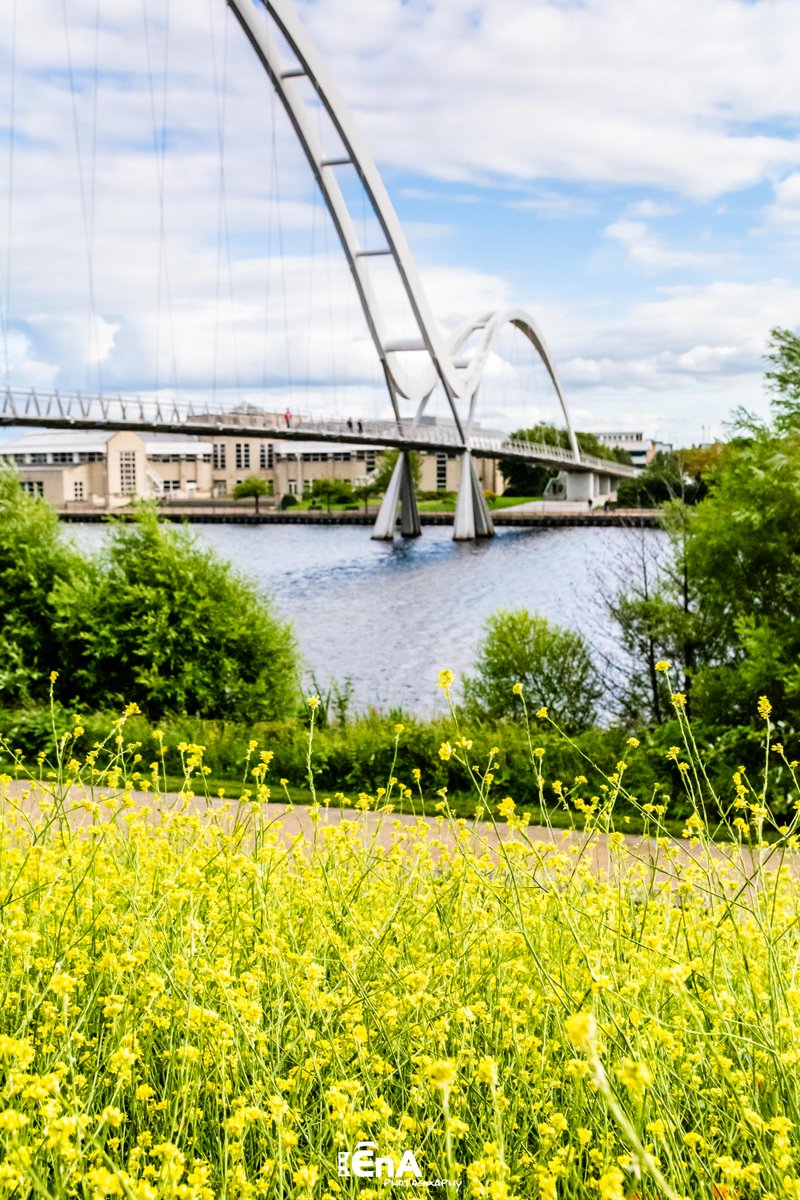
(69, 409)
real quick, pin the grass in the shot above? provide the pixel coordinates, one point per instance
(198, 1004)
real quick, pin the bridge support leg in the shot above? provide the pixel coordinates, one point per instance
(472, 519)
(400, 491)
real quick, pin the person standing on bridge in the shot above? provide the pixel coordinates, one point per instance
(287, 416)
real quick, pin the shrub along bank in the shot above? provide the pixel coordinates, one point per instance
(366, 752)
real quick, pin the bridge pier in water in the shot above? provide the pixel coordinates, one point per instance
(400, 491)
(472, 517)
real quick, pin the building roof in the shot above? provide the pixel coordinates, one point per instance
(57, 441)
(95, 441)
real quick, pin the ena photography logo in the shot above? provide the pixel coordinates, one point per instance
(365, 1163)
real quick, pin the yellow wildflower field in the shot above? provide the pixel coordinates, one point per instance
(201, 999)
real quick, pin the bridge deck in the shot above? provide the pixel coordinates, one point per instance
(54, 410)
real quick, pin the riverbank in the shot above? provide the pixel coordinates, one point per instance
(630, 518)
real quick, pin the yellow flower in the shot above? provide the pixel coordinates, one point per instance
(313, 702)
(581, 1030)
(506, 807)
(635, 1075)
(11, 1120)
(678, 699)
(62, 984)
(446, 680)
(442, 1073)
(632, 741)
(306, 1176)
(399, 728)
(112, 1116)
(663, 665)
(610, 1185)
(517, 689)
(53, 676)
(764, 707)
(445, 751)
(486, 1072)
(542, 713)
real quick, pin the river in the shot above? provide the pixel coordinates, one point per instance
(390, 616)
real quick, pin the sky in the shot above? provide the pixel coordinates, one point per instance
(627, 171)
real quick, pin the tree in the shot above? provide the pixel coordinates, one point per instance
(386, 464)
(158, 620)
(253, 486)
(32, 557)
(743, 555)
(726, 610)
(553, 665)
(783, 381)
(530, 479)
(332, 491)
(364, 493)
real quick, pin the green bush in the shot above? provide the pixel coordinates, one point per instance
(158, 621)
(553, 665)
(32, 557)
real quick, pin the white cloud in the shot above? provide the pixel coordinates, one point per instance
(785, 208)
(617, 91)
(554, 205)
(539, 98)
(650, 209)
(645, 249)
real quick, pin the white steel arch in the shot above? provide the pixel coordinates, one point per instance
(461, 380)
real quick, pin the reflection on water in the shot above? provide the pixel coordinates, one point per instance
(391, 615)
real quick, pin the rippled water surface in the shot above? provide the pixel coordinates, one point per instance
(391, 615)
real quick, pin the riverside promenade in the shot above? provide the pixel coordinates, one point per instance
(242, 513)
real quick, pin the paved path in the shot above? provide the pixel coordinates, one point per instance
(296, 821)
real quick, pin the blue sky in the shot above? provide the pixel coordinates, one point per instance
(626, 170)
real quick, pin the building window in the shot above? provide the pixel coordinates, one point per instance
(292, 487)
(266, 456)
(242, 456)
(370, 460)
(127, 472)
(34, 487)
(62, 457)
(218, 458)
(38, 460)
(77, 490)
(172, 485)
(441, 471)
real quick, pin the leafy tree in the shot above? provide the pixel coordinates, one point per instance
(158, 620)
(726, 610)
(553, 665)
(253, 486)
(783, 380)
(386, 464)
(743, 554)
(683, 475)
(32, 557)
(332, 491)
(363, 493)
(529, 479)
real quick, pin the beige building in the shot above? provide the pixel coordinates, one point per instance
(105, 470)
(92, 469)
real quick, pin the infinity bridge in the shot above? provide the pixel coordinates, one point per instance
(414, 366)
